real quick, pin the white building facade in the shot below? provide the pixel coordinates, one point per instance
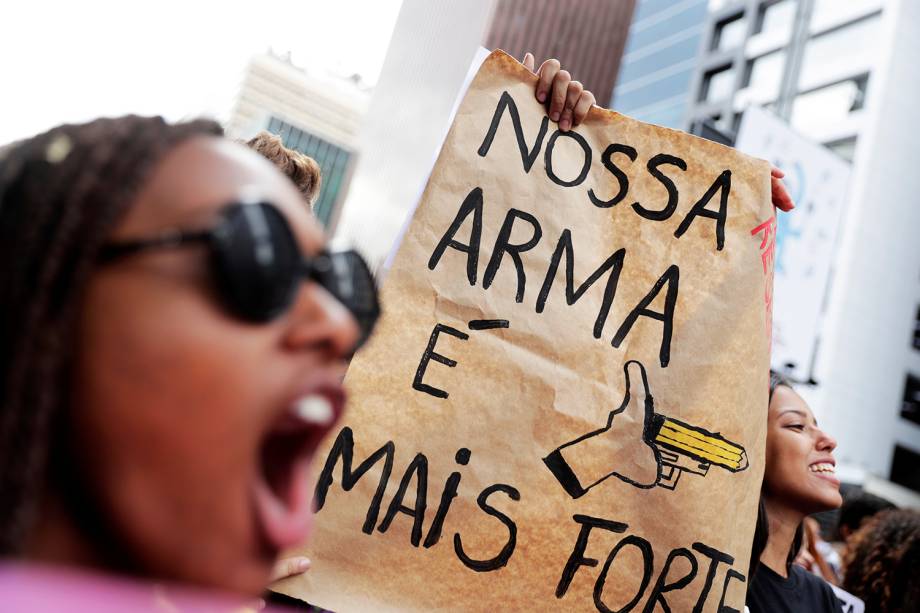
(320, 116)
(841, 74)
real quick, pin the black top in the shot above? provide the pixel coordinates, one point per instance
(801, 592)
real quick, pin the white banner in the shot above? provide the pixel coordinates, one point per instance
(805, 240)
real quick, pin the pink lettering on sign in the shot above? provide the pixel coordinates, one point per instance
(767, 255)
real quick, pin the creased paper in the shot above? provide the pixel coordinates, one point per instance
(564, 406)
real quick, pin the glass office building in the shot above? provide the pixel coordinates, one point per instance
(658, 66)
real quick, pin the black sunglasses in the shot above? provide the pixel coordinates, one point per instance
(258, 265)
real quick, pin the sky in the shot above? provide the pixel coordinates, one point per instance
(74, 61)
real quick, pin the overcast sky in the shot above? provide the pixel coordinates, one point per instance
(73, 61)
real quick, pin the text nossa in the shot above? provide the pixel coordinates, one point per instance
(471, 209)
(721, 184)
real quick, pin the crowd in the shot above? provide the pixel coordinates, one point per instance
(137, 453)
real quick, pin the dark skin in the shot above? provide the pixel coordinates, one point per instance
(175, 397)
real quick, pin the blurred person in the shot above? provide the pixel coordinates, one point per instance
(300, 168)
(856, 510)
(798, 480)
(882, 566)
(816, 555)
(304, 173)
(172, 338)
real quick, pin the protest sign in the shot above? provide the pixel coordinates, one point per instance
(848, 602)
(564, 406)
(817, 180)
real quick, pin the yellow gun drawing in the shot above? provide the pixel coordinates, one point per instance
(684, 447)
(665, 449)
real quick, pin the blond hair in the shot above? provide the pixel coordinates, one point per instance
(298, 167)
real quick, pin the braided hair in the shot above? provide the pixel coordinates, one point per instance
(61, 194)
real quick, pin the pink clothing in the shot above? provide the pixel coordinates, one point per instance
(34, 588)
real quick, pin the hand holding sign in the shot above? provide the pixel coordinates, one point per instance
(452, 491)
(624, 444)
(568, 101)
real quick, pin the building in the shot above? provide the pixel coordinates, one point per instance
(839, 74)
(660, 61)
(587, 36)
(319, 116)
(869, 367)
(808, 61)
(434, 45)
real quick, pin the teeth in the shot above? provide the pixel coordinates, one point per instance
(822, 467)
(315, 410)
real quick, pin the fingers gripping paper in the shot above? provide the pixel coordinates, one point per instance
(564, 407)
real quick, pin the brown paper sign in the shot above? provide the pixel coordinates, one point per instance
(564, 406)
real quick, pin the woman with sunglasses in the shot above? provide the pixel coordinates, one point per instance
(172, 339)
(798, 481)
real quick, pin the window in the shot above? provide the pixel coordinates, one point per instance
(669, 115)
(828, 11)
(333, 162)
(905, 468)
(917, 330)
(718, 84)
(829, 104)
(652, 90)
(715, 5)
(776, 17)
(765, 74)
(657, 27)
(647, 8)
(710, 128)
(660, 56)
(730, 33)
(910, 404)
(838, 51)
(845, 148)
(736, 123)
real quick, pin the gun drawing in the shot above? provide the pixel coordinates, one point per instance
(683, 447)
(657, 456)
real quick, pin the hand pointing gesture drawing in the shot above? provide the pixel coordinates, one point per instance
(621, 449)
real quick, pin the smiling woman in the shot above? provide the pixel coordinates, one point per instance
(172, 341)
(798, 480)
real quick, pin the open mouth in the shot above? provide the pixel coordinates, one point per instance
(822, 467)
(826, 471)
(281, 490)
